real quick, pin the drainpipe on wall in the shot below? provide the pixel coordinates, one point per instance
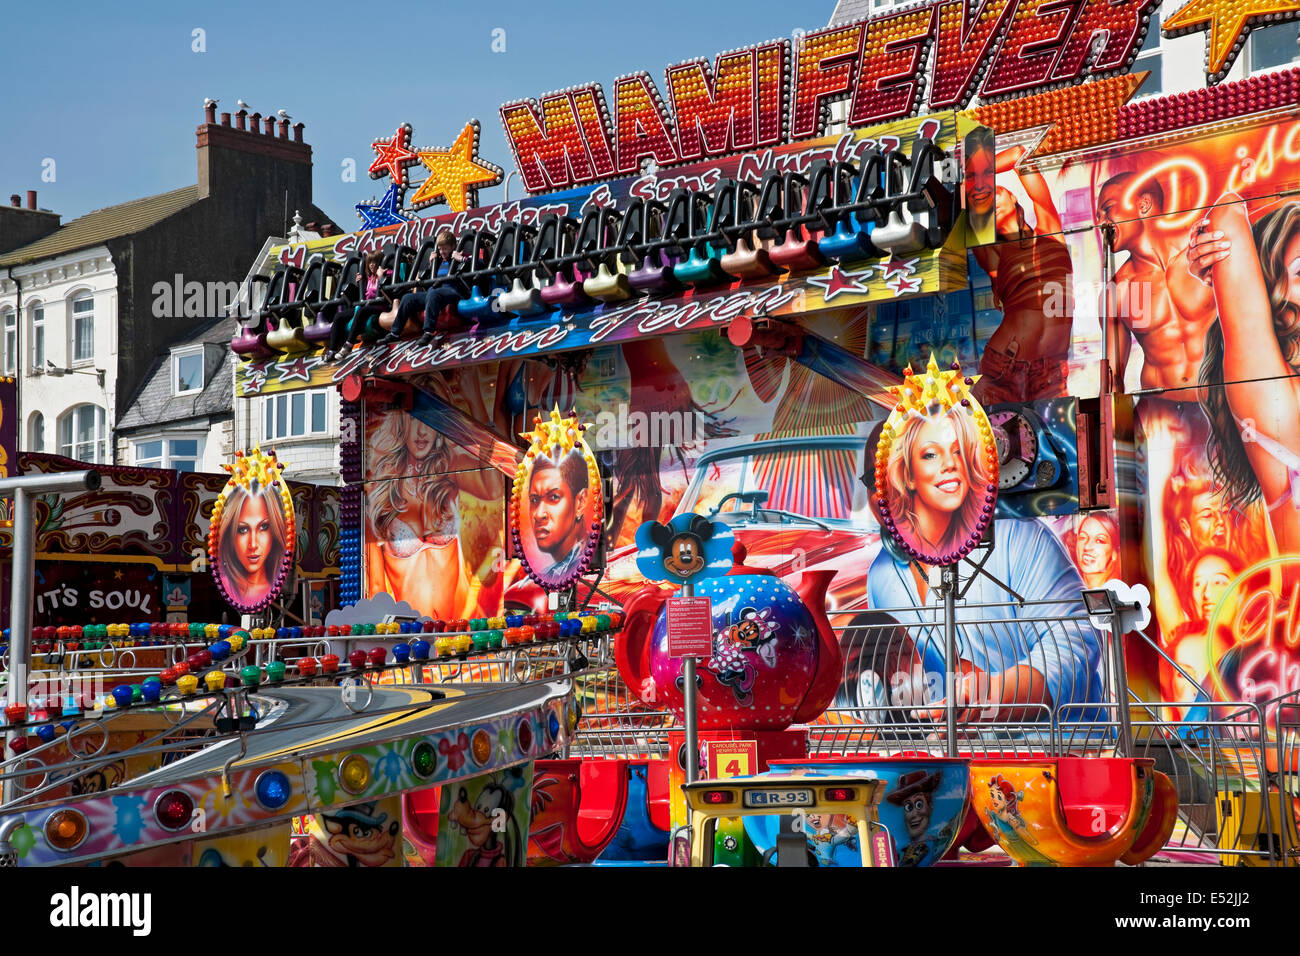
(20, 430)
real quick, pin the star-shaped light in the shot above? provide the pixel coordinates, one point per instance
(377, 214)
(456, 174)
(1228, 22)
(837, 281)
(394, 155)
(948, 387)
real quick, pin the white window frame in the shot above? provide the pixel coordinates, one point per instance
(176, 370)
(36, 328)
(74, 319)
(1251, 69)
(166, 459)
(99, 442)
(9, 320)
(276, 418)
(36, 432)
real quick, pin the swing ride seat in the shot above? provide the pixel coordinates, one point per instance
(578, 806)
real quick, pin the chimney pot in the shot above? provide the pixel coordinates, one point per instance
(297, 132)
(225, 119)
(241, 120)
(31, 199)
(16, 200)
(284, 129)
(211, 113)
(270, 126)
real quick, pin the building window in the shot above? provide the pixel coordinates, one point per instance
(38, 337)
(36, 433)
(83, 329)
(294, 415)
(179, 454)
(1275, 46)
(187, 372)
(11, 341)
(83, 434)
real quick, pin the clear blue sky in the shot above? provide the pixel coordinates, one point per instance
(113, 92)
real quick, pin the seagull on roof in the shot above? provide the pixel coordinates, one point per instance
(209, 101)
(241, 104)
(283, 115)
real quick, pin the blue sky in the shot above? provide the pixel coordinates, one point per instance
(113, 92)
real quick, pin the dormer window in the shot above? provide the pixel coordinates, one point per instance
(187, 371)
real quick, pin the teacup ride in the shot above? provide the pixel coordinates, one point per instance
(923, 807)
(1074, 811)
(643, 835)
(578, 807)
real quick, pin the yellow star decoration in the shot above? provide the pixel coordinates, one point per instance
(456, 174)
(946, 388)
(553, 438)
(255, 466)
(1228, 22)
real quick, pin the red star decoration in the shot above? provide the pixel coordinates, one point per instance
(899, 267)
(299, 368)
(837, 281)
(902, 285)
(394, 156)
(254, 379)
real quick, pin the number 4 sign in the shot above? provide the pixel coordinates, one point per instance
(732, 758)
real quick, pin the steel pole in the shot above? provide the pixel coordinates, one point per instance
(1121, 685)
(23, 573)
(950, 656)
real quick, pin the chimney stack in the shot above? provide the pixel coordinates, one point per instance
(270, 126)
(241, 120)
(31, 199)
(225, 120)
(16, 201)
(297, 132)
(284, 129)
(211, 112)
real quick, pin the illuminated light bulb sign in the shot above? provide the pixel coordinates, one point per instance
(454, 176)
(1226, 24)
(936, 467)
(253, 531)
(556, 503)
(759, 95)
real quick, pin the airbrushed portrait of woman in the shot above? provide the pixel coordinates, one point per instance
(934, 465)
(413, 546)
(554, 516)
(1014, 663)
(252, 536)
(1252, 356)
(1094, 542)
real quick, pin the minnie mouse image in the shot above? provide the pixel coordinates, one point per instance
(683, 551)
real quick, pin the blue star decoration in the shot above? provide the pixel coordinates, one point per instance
(713, 539)
(384, 212)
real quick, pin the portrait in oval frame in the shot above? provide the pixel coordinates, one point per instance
(556, 504)
(252, 535)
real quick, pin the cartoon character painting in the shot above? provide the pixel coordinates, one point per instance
(914, 794)
(361, 835)
(1004, 820)
(733, 649)
(489, 824)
